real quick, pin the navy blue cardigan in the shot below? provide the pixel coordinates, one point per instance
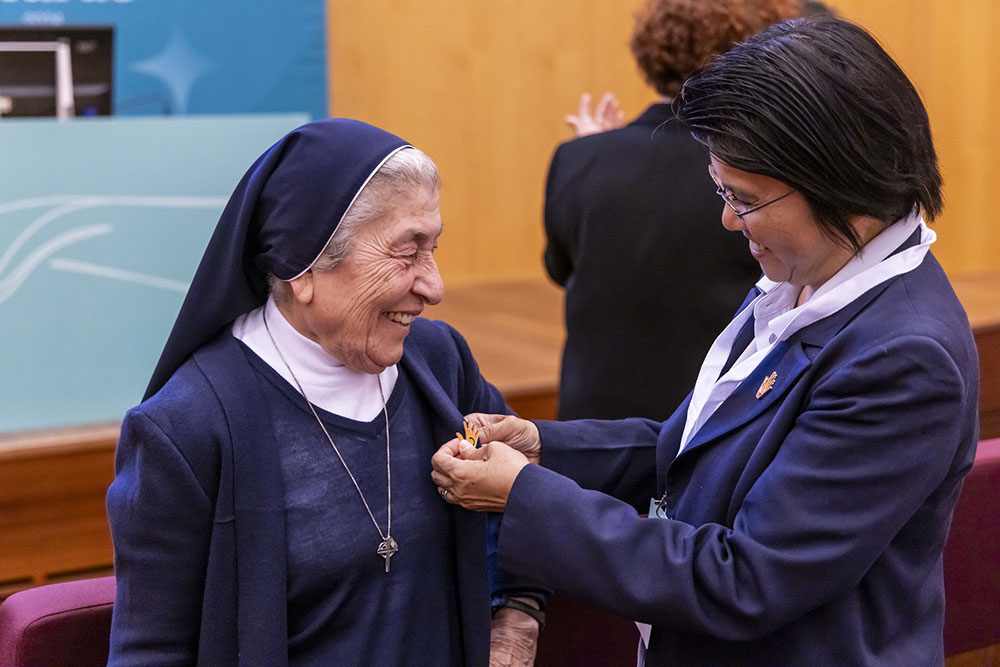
(198, 460)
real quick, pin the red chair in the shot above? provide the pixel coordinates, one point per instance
(972, 559)
(579, 633)
(58, 624)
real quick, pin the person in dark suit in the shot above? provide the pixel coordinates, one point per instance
(805, 487)
(630, 219)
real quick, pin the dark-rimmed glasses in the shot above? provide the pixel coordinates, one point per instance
(737, 205)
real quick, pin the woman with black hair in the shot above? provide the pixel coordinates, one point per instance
(804, 488)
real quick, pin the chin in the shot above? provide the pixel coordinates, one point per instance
(383, 361)
(781, 276)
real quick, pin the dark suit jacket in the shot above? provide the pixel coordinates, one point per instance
(807, 526)
(651, 276)
(197, 510)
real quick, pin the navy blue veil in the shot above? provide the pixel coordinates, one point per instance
(278, 220)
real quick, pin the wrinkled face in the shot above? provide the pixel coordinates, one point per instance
(360, 312)
(784, 236)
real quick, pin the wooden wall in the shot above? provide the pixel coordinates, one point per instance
(948, 51)
(482, 87)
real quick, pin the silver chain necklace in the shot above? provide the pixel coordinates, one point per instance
(388, 546)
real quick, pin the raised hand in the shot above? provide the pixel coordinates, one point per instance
(607, 116)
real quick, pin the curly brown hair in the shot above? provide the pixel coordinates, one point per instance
(673, 38)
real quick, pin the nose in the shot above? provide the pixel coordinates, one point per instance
(429, 286)
(731, 221)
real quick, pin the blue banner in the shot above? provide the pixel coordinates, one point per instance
(202, 56)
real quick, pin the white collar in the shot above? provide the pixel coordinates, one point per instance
(328, 383)
(868, 259)
(872, 266)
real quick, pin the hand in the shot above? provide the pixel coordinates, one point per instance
(513, 638)
(477, 479)
(520, 434)
(608, 116)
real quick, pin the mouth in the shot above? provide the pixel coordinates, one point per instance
(756, 249)
(404, 319)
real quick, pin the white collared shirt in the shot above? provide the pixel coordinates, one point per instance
(776, 318)
(328, 383)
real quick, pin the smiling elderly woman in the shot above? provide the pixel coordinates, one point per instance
(272, 503)
(805, 486)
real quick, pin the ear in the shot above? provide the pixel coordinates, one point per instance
(302, 288)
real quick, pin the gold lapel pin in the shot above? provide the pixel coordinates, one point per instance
(766, 385)
(471, 434)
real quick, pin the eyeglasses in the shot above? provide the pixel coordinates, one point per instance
(737, 205)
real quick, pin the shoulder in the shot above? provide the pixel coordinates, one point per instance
(922, 303)
(435, 342)
(188, 395)
(613, 141)
(637, 154)
(441, 358)
(914, 331)
(185, 415)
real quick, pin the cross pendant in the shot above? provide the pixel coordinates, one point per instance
(386, 549)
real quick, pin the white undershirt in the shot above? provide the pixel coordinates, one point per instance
(328, 383)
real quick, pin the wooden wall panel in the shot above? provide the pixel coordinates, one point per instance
(948, 51)
(483, 86)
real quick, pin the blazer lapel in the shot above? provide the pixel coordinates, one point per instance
(786, 362)
(766, 385)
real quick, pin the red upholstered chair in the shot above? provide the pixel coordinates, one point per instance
(972, 560)
(577, 633)
(58, 625)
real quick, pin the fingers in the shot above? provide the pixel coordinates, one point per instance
(470, 453)
(607, 103)
(609, 115)
(444, 458)
(505, 428)
(583, 122)
(482, 419)
(446, 467)
(477, 483)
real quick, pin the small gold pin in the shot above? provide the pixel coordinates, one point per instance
(766, 385)
(471, 434)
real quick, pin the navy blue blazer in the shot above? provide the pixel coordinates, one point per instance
(198, 460)
(806, 526)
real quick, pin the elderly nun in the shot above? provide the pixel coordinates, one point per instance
(272, 501)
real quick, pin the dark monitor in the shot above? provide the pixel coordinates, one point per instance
(28, 77)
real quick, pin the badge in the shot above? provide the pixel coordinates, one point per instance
(471, 434)
(766, 385)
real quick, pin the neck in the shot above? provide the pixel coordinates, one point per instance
(865, 228)
(295, 318)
